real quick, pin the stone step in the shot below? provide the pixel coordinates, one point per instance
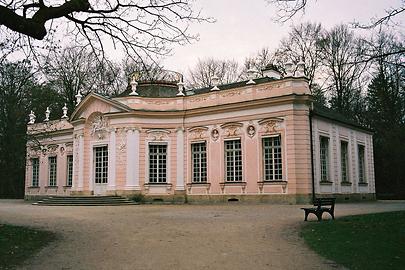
(85, 200)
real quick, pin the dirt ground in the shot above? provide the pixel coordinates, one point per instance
(231, 236)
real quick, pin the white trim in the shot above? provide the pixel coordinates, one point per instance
(132, 176)
(112, 160)
(81, 162)
(180, 160)
(168, 159)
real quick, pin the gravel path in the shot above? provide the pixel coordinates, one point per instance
(233, 236)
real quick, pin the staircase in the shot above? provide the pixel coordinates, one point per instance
(85, 201)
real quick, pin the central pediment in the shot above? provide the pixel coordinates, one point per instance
(96, 103)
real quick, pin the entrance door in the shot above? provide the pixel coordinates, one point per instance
(100, 170)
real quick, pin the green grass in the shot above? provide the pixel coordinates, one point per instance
(19, 243)
(374, 241)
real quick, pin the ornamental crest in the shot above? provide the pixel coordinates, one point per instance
(197, 132)
(270, 125)
(99, 127)
(231, 129)
(158, 134)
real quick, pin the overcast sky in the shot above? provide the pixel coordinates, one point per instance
(243, 27)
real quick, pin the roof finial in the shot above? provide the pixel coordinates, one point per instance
(251, 73)
(47, 113)
(134, 84)
(78, 97)
(65, 109)
(300, 69)
(32, 118)
(215, 81)
(180, 86)
(289, 69)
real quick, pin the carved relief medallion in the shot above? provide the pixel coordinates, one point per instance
(214, 134)
(251, 131)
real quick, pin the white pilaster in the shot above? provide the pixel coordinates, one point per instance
(180, 160)
(112, 160)
(132, 159)
(81, 162)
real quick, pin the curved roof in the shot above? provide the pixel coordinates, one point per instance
(155, 89)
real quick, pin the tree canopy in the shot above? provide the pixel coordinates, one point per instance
(138, 26)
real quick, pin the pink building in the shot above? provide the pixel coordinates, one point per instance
(249, 140)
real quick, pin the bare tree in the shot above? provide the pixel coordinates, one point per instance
(286, 9)
(76, 69)
(342, 53)
(302, 45)
(259, 62)
(226, 70)
(138, 26)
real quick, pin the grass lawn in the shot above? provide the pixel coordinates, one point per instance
(18, 243)
(374, 241)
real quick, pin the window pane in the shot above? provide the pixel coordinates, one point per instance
(272, 159)
(344, 161)
(52, 171)
(324, 158)
(35, 172)
(233, 161)
(199, 159)
(362, 177)
(157, 163)
(101, 165)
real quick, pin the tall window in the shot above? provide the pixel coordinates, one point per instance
(69, 174)
(324, 157)
(52, 171)
(362, 167)
(157, 163)
(233, 157)
(199, 155)
(344, 161)
(101, 165)
(35, 172)
(272, 160)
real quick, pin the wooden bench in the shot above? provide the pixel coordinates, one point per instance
(321, 207)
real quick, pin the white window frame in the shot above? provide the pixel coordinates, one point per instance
(234, 177)
(35, 172)
(158, 179)
(52, 171)
(361, 164)
(102, 177)
(344, 162)
(69, 170)
(324, 160)
(272, 176)
(202, 174)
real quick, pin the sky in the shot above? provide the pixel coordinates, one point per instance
(243, 27)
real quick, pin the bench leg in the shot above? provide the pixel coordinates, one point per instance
(319, 216)
(306, 215)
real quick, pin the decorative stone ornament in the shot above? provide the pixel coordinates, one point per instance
(251, 131)
(300, 69)
(289, 69)
(99, 127)
(47, 113)
(78, 97)
(215, 82)
(180, 86)
(251, 74)
(215, 134)
(64, 109)
(134, 84)
(32, 118)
